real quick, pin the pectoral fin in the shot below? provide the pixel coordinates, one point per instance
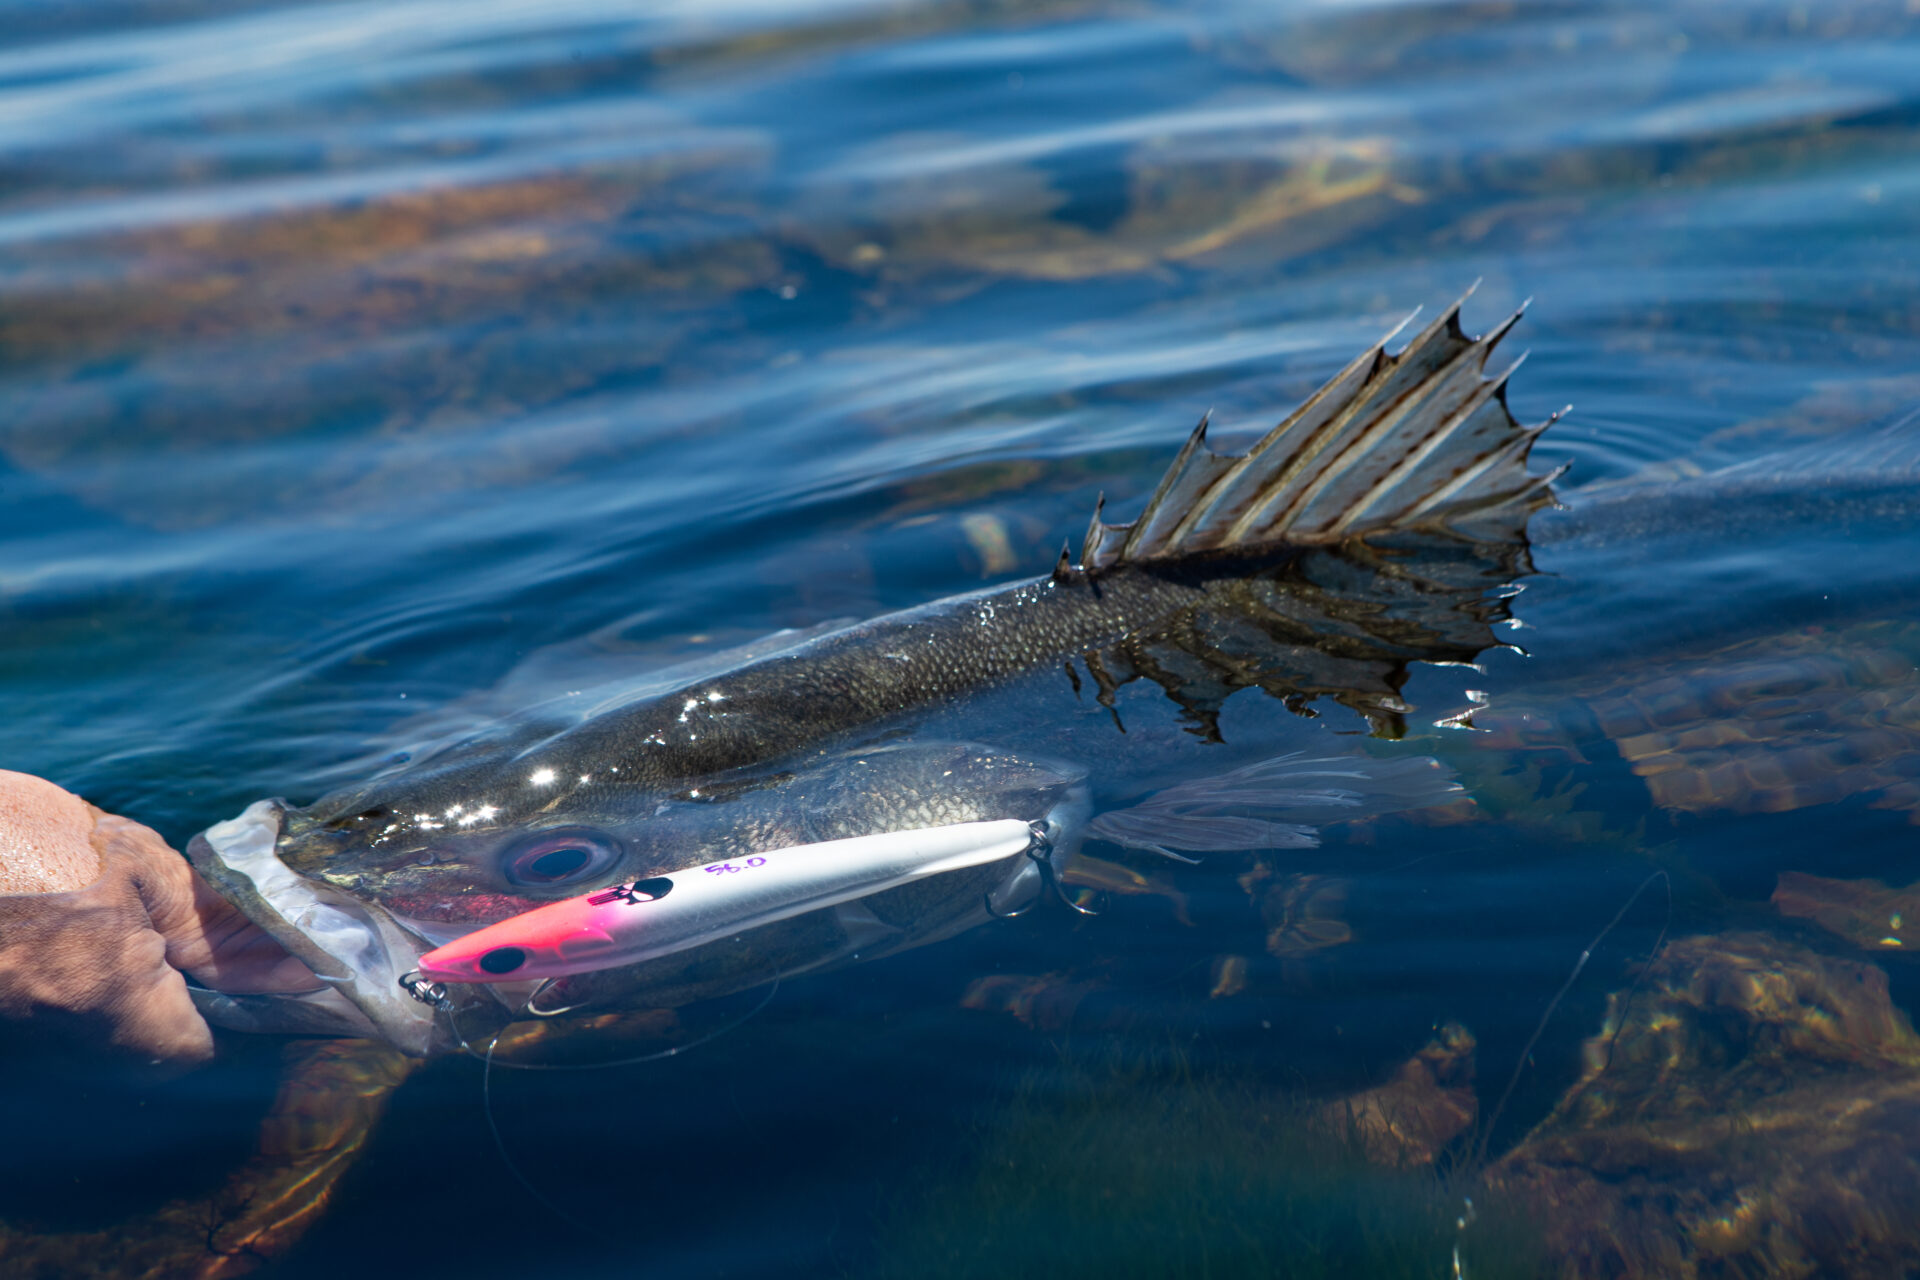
(1274, 804)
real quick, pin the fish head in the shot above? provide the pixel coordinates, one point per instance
(450, 864)
(363, 882)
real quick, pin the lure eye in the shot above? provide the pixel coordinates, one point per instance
(562, 857)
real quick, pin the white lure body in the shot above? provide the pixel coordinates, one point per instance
(627, 923)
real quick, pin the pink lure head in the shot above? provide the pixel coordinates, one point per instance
(576, 935)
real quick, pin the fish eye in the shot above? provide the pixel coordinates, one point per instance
(560, 857)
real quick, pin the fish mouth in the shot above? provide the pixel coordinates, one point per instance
(357, 948)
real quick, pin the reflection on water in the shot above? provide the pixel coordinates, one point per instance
(353, 352)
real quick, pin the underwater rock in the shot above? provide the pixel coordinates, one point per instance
(1766, 725)
(1429, 1102)
(1865, 912)
(1045, 1001)
(1750, 1107)
(1272, 199)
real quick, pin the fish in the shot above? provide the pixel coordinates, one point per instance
(1379, 524)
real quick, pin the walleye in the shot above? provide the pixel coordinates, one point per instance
(1373, 528)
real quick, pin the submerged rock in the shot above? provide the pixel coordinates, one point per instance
(1749, 1108)
(1428, 1103)
(1865, 912)
(1764, 725)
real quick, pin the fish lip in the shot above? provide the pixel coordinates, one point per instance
(358, 948)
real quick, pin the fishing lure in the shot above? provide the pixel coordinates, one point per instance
(645, 919)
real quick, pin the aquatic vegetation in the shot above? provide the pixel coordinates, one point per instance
(1112, 1166)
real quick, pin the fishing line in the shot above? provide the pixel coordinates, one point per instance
(500, 1144)
(486, 1087)
(708, 1038)
(1579, 966)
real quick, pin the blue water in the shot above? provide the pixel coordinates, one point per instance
(352, 352)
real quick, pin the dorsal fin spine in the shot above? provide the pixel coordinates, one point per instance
(1261, 514)
(1359, 445)
(1435, 439)
(1141, 527)
(1090, 547)
(1370, 360)
(1323, 473)
(1309, 449)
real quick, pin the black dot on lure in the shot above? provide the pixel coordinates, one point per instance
(503, 959)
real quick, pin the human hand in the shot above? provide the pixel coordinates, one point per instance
(98, 917)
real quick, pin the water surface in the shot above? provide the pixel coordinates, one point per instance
(352, 353)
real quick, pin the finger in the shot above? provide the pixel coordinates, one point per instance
(241, 956)
(88, 960)
(152, 1014)
(205, 934)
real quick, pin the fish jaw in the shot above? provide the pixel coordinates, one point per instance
(357, 947)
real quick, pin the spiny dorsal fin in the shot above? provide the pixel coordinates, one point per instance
(1422, 439)
(1063, 568)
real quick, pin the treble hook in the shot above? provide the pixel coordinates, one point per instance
(541, 990)
(1061, 890)
(986, 900)
(1040, 849)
